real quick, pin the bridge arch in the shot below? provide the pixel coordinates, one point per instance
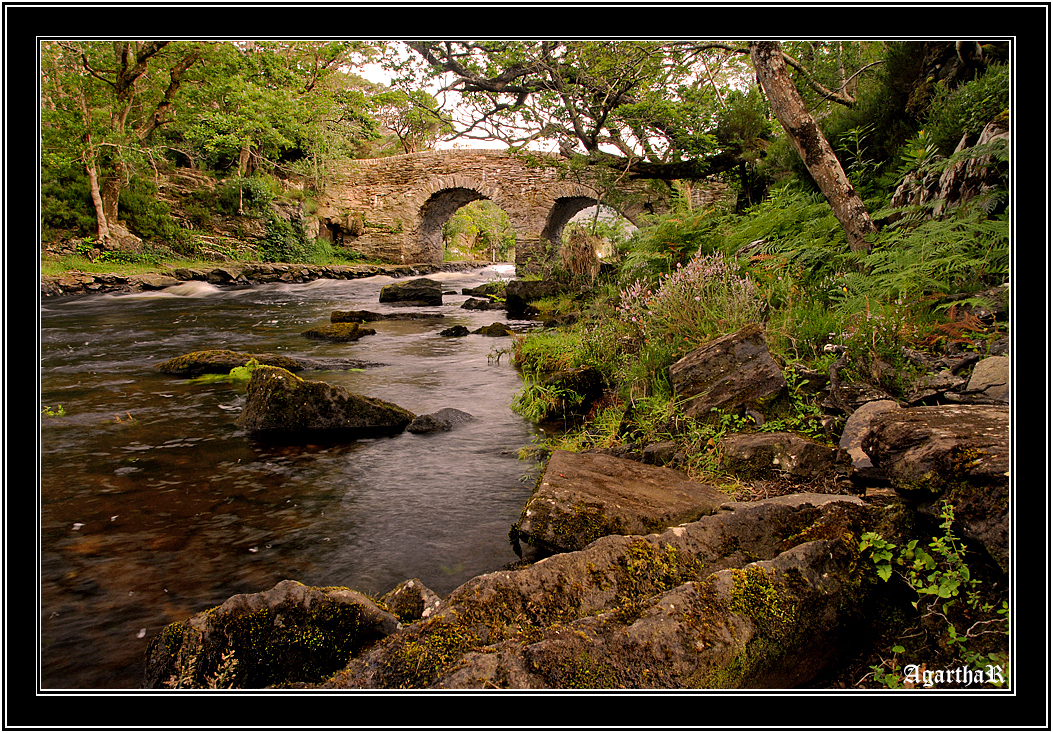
(393, 209)
(438, 200)
(568, 200)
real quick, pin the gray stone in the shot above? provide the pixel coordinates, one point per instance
(581, 497)
(990, 379)
(857, 426)
(152, 281)
(422, 290)
(728, 373)
(280, 403)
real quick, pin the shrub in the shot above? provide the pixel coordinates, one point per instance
(254, 193)
(149, 216)
(65, 204)
(965, 110)
(707, 298)
(969, 626)
(285, 241)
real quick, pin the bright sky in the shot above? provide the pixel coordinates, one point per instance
(378, 75)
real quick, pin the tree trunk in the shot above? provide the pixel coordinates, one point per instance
(810, 143)
(88, 158)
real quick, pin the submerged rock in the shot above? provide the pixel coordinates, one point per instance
(440, 421)
(359, 316)
(280, 403)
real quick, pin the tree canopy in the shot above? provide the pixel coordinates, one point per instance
(665, 110)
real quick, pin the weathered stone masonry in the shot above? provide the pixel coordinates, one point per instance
(393, 209)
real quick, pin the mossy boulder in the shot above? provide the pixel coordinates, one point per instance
(339, 332)
(494, 329)
(290, 634)
(280, 403)
(411, 601)
(762, 594)
(221, 361)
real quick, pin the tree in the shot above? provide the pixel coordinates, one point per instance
(413, 116)
(267, 103)
(808, 139)
(624, 104)
(101, 101)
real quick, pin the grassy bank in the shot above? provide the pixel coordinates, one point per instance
(690, 277)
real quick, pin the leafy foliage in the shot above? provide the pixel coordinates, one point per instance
(150, 217)
(947, 596)
(965, 110)
(479, 230)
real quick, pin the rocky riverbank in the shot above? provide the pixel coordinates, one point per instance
(235, 274)
(635, 576)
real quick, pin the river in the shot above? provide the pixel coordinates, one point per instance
(154, 506)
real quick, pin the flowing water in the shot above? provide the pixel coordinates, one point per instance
(154, 506)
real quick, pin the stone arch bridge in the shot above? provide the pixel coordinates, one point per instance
(393, 209)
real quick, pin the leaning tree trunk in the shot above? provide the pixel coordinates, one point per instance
(88, 158)
(812, 146)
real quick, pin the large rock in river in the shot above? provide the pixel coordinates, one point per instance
(221, 361)
(279, 402)
(422, 290)
(440, 421)
(584, 496)
(339, 332)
